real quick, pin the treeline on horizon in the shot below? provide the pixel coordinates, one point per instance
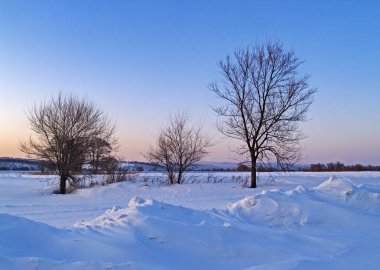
(316, 167)
(341, 167)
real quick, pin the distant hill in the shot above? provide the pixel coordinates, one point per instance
(19, 164)
(214, 166)
(140, 166)
(200, 166)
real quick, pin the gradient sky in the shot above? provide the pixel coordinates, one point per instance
(140, 60)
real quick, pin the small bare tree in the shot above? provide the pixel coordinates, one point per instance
(179, 146)
(162, 154)
(65, 128)
(265, 99)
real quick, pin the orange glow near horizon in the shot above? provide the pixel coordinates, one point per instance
(10, 148)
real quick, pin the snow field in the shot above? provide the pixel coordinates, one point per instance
(303, 221)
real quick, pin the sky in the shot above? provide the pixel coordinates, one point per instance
(142, 60)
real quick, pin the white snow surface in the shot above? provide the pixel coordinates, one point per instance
(292, 221)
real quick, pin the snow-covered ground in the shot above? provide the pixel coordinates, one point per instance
(292, 221)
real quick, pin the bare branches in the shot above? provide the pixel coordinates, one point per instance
(265, 99)
(179, 146)
(65, 130)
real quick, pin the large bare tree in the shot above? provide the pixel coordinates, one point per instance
(65, 128)
(265, 98)
(179, 146)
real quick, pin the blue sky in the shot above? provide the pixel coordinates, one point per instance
(140, 60)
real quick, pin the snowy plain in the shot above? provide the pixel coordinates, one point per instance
(292, 221)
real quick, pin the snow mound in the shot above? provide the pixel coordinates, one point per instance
(140, 213)
(347, 193)
(136, 201)
(274, 208)
(335, 186)
(118, 216)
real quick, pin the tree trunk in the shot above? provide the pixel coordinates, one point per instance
(179, 179)
(170, 178)
(97, 165)
(253, 173)
(62, 184)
